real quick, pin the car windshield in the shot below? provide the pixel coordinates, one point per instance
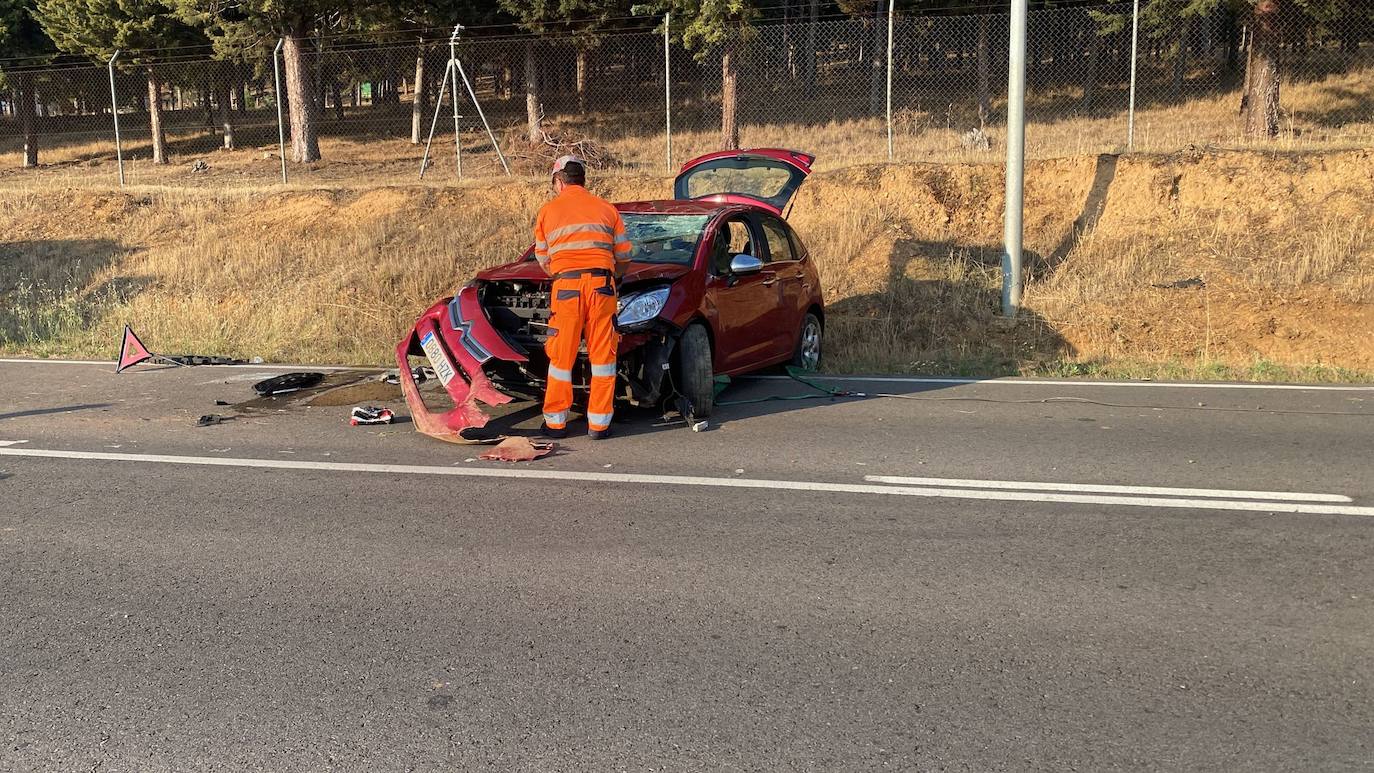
(659, 238)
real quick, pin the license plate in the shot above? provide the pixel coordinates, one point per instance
(442, 367)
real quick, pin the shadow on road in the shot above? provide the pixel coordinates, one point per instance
(59, 409)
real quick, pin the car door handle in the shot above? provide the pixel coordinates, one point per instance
(770, 281)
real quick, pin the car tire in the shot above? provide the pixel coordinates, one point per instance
(695, 373)
(809, 340)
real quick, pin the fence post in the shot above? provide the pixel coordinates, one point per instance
(281, 127)
(114, 111)
(668, 88)
(891, 13)
(1016, 160)
(1130, 106)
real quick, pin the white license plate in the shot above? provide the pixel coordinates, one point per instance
(442, 367)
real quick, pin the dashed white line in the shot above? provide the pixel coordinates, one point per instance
(951, 381)
(1097, 488)
(690, 480)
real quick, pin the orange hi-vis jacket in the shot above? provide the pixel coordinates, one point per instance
(577, 230)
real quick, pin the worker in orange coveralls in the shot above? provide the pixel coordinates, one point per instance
(580, 241)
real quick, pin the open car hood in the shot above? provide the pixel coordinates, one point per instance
(527, 270)
(767, 176)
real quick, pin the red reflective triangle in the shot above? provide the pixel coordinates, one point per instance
(131, 350)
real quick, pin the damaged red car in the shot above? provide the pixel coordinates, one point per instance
(719, 283)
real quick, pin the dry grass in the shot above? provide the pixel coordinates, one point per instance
(908, 254)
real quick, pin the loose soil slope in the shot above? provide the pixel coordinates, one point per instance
(1138, 264)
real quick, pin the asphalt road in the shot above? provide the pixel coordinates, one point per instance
(946, 580)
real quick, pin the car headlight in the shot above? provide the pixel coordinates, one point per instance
(641, 307)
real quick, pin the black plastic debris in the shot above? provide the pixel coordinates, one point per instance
(287, 382)
(201, 359)
(211, 419)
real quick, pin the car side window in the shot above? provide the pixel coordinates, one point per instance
(779, 245)
(734, 237)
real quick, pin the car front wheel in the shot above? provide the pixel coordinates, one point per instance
(808, 353)
(695, 374)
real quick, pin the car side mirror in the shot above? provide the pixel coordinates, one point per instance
(744, 265)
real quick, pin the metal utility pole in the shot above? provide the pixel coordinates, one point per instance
(1016, 160)
(1130, 107)
(114, 111)
(281, 127)
(668, 88)
(891, 13)
(457, 134)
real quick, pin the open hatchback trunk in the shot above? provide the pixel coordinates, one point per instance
(767, 176)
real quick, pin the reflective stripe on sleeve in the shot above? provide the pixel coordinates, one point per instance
(603, 370)
(560, 374)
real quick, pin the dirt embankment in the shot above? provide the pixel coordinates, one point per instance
(1194, 260)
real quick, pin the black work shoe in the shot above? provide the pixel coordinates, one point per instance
(556, 434)
(599, 434)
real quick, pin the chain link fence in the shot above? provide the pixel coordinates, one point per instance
(631, 99)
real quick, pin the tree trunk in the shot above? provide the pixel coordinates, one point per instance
(28, 120)
(581, 81)
(155, 117)
(729, 102)
(417, 102)
(226, 114)
(811, 51)
(1180, 63)
(984, 73)
(877, 69)
(1260, 104)
(305, 143)
(336, 92)
(242, 96)
(532, 108)
(1090, 72)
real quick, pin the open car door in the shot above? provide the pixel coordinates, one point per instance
(767, 176)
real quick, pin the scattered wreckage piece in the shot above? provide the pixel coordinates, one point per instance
(288, 382)
(370, 414)
(457, 338)
(517, 449)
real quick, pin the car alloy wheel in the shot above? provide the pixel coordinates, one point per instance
(809, 346)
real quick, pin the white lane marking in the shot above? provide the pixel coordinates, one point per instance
(689, 480)
(12, 442)
(846, 379)
(1208, 493)
(1068, 383)
(266, 365)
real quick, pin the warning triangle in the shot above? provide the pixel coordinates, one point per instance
(131, 350)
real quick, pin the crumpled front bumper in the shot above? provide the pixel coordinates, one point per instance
(458, 339)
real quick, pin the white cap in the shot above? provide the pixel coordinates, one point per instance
(563, 161)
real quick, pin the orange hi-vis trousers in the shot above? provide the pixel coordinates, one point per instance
(584, 302)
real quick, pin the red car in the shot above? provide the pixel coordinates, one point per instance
(719, 283)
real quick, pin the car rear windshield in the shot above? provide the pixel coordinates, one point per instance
(658, 238)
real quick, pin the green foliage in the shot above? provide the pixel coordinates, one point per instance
(21, 36)
(97, 28)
